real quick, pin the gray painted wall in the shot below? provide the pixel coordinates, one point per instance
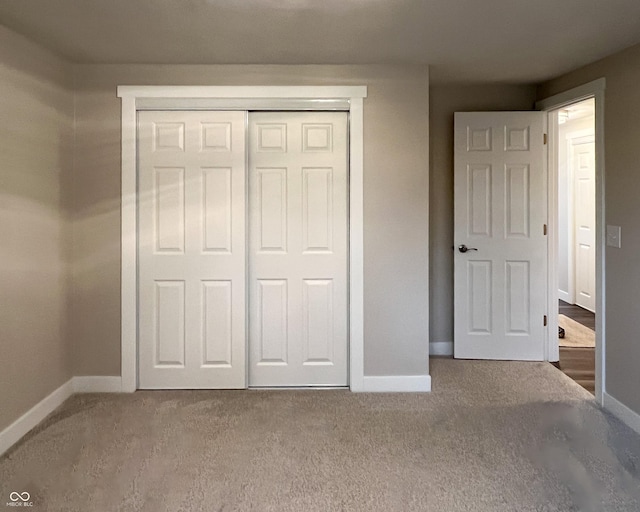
(36, 108)
(445, 100)
(622, 183)
(396, 203)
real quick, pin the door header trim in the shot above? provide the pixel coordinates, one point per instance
(244, 104)
(243, 92)
(582, 92)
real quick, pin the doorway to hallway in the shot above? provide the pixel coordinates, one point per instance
(575, 163)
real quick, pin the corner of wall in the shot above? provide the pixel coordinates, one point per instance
(69, 188)
(38, 107)
(621, 411)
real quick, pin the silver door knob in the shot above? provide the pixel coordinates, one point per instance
(464, 248)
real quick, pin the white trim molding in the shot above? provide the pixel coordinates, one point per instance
(596, 90)
(621, 411)
(396, 383)
(441, 348)
(135, 98)
(582, 92)
(30, 419)
(97, 384)
(244, 92)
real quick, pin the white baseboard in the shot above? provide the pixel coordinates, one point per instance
(396, 384)
(441, 348)
(621, 411)
(565, 296)
(99, 384)
(14, 432)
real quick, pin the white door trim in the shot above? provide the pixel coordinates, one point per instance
(229, 98)
(596, 90)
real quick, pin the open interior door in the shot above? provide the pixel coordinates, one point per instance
(500, 269)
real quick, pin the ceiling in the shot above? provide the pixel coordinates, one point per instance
(518, 41)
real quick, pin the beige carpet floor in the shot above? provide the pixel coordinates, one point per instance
(492, 436)
(575, 334)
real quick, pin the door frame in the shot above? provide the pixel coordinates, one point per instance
(314, 98)
(596, 90)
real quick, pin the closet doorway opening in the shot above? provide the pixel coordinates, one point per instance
(271, 204)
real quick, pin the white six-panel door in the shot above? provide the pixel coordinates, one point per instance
(500, 213)
(298, 249)
(191, 254)
(584, 182)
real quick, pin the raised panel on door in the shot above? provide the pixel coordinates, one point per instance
(272, 209)
(217, 209)
(317, 209)
(500, 210)
(317, 311)
(191, 250)
(518, 296)
(168, 333)
(215, 137)
(298, 249)
(480, 307)
(479, 200)
(517, 201)
(169, 232)
(217, 323)
(271, 326)
(167, 136)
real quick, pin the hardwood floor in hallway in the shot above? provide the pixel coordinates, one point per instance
(578, 363)
(580, 315)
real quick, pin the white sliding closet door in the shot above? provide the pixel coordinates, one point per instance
(192, 251)
(298, 249)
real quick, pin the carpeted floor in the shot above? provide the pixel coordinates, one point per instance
(492, 436)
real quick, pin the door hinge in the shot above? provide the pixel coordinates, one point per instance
(545, 320)
(544, 229)
(544, 138)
